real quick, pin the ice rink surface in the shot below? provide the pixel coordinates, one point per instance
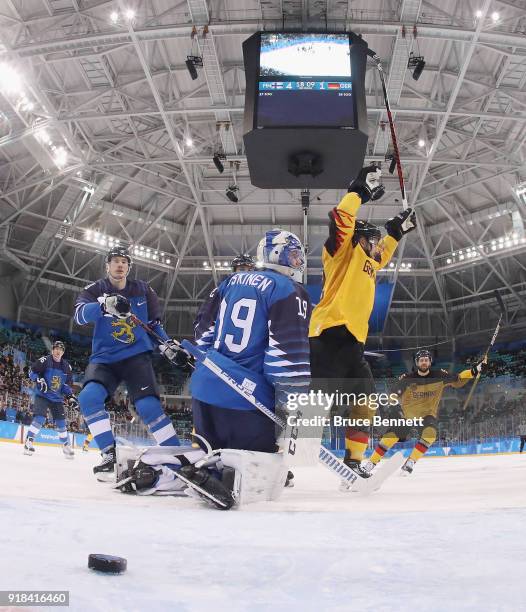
(450, 537)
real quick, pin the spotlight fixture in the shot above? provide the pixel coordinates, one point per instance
(114, 17)
(231, 193)
(218, 163)
(418, 63)
(495, 17)
(192, 63)
(421, 142)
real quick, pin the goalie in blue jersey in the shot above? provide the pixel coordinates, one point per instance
(254, 330)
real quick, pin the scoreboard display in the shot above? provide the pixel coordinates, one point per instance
(305, 81)
(305, 122)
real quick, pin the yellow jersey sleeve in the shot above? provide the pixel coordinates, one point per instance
(342, 222)
(387, 247)
(462, 379)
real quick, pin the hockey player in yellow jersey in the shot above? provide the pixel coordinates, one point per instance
(351, 257)
(420, 392)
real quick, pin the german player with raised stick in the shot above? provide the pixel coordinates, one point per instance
(420, 392)
(352, 255)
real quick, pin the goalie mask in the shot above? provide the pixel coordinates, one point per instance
(282, 251)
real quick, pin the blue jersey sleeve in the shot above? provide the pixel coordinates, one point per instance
(287, 357)
(38, 368)
(87, 307)
(204, 325)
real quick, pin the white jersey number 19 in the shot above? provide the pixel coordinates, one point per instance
(244, 324)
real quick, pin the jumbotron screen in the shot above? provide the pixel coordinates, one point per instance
(305, 81)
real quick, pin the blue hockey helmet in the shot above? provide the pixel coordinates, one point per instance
(282, 251)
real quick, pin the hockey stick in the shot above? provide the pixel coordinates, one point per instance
(326, 458)
(376, 59)
(134, 319)
(500, 302)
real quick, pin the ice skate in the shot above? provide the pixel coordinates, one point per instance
(29, 449)
(68, 451)
(107, 465)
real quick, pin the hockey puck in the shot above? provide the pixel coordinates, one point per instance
(107, 563)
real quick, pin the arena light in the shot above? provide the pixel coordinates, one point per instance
(114, 17)
(60, 157)
(10, 81)
(421, 143)
(231, 193)
(218, 163)
(495, 17)
(417, 63)
(478, 14)
(129, 14)
(192, 63)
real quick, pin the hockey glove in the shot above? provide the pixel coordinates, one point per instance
(42, 385)
(479, 368)
(404, 222)
(367, 184)
(137, 478)
(175, 354)
(115, 305)
(72, 401)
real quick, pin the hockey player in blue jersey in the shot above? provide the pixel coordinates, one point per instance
(52, 377)
(121, 352)
(255, 328)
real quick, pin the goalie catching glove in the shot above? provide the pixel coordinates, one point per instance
(115, 305)
(367, 184)
(404, 222)
(176, 355)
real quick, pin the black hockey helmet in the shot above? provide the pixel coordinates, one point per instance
(59, 344)
(423, 353)
(366, 229)
(118, 251)
(242, 260)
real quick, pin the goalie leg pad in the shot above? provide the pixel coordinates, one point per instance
(258, 476)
